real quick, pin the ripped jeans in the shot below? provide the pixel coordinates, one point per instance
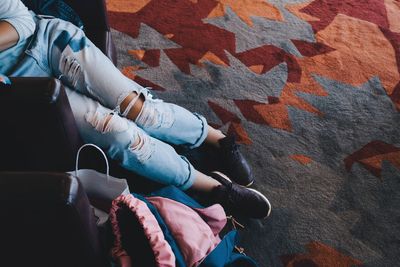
(96, 88)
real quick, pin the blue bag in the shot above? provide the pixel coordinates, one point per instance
(224, 254)
(135, 245)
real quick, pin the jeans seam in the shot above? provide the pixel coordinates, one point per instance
(203, 134)
(190, 179)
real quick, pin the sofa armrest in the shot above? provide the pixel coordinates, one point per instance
(48, 219)
(39, 131)
(32, 89)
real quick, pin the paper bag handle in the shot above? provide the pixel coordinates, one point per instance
(99, 149)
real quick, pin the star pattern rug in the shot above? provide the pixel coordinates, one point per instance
(311, 89)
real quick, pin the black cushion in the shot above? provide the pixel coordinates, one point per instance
(38, 130)
(46, 221)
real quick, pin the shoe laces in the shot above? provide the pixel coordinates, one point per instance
(240, 250)
(235, 225)
(232, 147)
(234, 222)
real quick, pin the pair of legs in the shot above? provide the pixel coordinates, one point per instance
(122, 117)
(116, 113)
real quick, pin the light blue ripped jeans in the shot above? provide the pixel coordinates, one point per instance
(95, 90)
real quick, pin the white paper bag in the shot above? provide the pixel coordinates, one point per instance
(98, 185)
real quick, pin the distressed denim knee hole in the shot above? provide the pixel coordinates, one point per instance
(71, 71)
(142, 146)
(133, 98)
(106, 122)
(156, 114)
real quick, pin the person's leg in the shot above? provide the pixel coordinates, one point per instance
(136, 151)
(119, 137)
(77, 62)
(191, 130)
(178, 126)
(213, 135)
(204, 183)
(123, 141)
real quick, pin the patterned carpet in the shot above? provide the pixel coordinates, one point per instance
(312, 90)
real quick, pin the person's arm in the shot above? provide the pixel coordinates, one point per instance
(16, 23)
(8, 35)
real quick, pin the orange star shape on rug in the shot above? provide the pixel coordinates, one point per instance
(126, 5)
(246, 8)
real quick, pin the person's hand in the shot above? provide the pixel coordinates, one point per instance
(8, 35)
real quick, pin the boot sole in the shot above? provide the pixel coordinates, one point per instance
(226, 178)
(251, 189)
(250, 184)
(265, 199)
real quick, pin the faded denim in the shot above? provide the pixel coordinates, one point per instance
(95, 89)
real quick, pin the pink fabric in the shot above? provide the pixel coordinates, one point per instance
(196, 238)
(163, 253)
(214, 216)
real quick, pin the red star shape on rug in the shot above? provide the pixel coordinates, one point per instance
(235, 126)
(373, 11)
(372, 155)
